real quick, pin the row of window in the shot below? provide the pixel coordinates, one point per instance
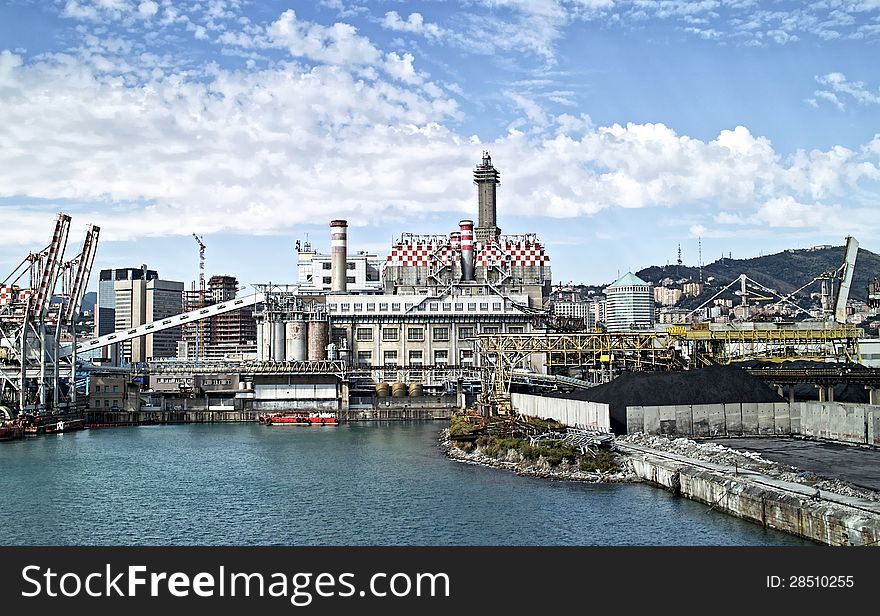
(431, 306)
(107, 389)
(414, 358)
(417, 334)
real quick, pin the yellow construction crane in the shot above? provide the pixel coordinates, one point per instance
(200, 330)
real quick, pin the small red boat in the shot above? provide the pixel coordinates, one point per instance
(299, 418)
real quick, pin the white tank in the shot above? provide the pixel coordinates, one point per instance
(264, 334)
(296, 339)
(278, 343)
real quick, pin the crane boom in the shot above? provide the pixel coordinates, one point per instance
(164, 323)
(80, 279)
(49, 261)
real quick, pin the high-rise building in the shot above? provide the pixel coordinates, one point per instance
(630, 304)
(228, 334)
(143, 299)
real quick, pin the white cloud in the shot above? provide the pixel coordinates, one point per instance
(415, 24)
(838, 84)
(336, 44)
(148, 9)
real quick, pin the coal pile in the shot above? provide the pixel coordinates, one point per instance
(711, 385)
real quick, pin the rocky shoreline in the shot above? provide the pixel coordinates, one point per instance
(540, 468)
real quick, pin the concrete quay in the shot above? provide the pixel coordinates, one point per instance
(833, 519)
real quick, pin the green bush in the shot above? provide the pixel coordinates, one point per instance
(604, 462)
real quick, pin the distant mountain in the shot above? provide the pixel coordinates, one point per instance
(784, 271)
(89, 301)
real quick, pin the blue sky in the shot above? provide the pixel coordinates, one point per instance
(622, 128)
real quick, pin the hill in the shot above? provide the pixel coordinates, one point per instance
(784, 271)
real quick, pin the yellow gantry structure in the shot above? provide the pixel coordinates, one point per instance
(679, 347)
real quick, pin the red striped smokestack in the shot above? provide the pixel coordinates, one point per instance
(338, 256)
(467, 250)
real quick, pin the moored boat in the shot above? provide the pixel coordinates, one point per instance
(299, 418)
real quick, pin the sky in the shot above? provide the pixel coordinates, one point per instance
(622, 129)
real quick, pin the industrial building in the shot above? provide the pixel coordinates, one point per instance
(439, 293)
(363, 271)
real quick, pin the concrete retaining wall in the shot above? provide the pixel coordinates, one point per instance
(568, 412)
(766, 506)
(837, 421)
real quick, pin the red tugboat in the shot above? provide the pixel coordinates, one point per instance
(299, 418)
(51, 425)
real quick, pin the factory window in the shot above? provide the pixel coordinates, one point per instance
(349, 279)
(423, 291)
(516, 330)
(441, 357)
(441, 333)
(408, 306)
(447, 306)
(339, 334)
(345, 307)
(459, 307)
(326, 279)
(420, 307)
(349, 265)
(465, 332)
(383, 307)
(484, 306)
(364, 334)
(116, 389)
(434, 306)
(364, 359)
(325, 265)
(415, 334)
(496, 306)
(358, 307)
(97, 389)
(390, 358)
(415, 358)
(467, 356)
(371, 307)
(106, 403)
(472, 306)
(389, 334)
(490, 330)
(395, 307)
(106, 389)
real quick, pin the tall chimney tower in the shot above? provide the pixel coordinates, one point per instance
(486, 177)
(467, 250)
(338, 256)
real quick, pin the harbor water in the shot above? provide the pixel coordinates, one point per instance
(352, 484)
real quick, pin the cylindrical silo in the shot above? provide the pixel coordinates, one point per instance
(383, 389)
(295, 334)
(264, 335)
(278, 343)
(467, 250)
(319, 338)
(416, 389)
(338, 256)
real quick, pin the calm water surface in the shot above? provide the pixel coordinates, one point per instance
(353, 484)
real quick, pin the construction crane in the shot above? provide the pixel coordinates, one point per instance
(200, 330)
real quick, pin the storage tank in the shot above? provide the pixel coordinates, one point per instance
(296, 337)
(318, 339)
(399, 390)
(383, 389)
(416, 389)
(278, 343)
(264, 329)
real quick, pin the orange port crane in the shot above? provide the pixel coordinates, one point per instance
(200, 330)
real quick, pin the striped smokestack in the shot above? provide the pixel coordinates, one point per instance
(467, 250)
(338, 256)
